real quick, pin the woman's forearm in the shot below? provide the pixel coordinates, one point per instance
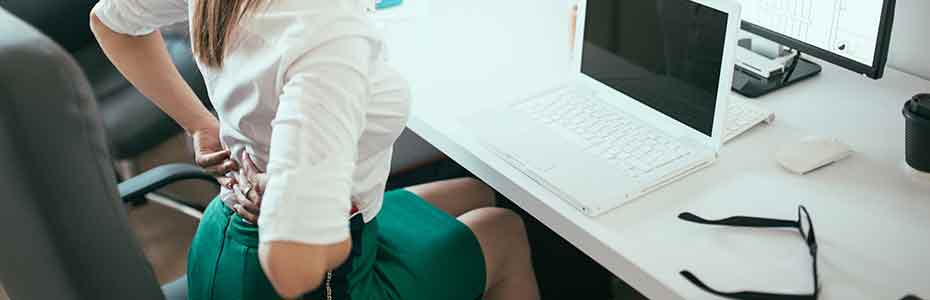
(145, 62)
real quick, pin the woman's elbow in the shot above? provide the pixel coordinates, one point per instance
(96, 26)
(294, 269)
(93, 21)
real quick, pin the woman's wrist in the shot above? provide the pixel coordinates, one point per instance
(201, 124)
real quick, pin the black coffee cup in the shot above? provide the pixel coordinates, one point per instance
(917, 132)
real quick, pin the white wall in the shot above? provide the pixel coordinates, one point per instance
(910, 40)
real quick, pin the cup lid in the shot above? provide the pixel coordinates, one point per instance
(919, 105)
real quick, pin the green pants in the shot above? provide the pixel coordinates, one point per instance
(411, 250)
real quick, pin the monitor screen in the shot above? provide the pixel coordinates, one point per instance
(666, 54)
(849, 28)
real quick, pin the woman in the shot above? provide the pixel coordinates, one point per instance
(310, 111)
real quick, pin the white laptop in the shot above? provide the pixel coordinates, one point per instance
(646, 106)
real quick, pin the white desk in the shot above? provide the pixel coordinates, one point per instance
(872, 220)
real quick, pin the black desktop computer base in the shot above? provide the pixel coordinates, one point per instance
(754, 86)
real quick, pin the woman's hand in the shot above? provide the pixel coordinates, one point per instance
(210, 155)
(249, 191)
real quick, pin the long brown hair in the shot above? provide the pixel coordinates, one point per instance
(213, 24)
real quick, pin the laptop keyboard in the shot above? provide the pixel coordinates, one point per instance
(742, 116)
(632, 145)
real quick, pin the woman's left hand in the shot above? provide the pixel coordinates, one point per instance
(249, 190)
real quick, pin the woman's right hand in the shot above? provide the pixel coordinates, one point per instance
(210, 155)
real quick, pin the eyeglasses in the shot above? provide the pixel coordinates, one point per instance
(804, 226)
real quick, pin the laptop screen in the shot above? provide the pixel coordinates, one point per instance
(666, 54)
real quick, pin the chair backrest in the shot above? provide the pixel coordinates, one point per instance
(65, 21)
(63, 227)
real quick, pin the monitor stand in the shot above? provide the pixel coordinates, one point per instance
(768, 56)
(751, 85)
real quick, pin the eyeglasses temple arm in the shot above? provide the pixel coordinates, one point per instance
(744, 295)
(740, 221)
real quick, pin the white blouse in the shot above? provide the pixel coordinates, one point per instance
(305, 91)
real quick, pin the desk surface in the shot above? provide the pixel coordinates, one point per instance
(871, 215)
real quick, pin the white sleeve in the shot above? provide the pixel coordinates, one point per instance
(314, 142)
(140, 17)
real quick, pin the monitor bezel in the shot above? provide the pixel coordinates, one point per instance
(874, 71)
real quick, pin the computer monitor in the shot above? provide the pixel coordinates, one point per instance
(853, 34)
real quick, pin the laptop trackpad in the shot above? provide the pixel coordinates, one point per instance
(524, 140)
(534, 152)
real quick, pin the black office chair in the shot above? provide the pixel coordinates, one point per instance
(133, 124)
(62, 218)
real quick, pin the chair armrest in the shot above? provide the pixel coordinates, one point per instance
(134, 189)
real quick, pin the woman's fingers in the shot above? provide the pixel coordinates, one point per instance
(210, 159)
(251, 203)
(252, 174)
(248, 189)
(253, 208)
(246, 167)
(249, 168)
(255, 198)
(247, 216)
(217, 163)
(226, 181)
(244, 207)
(222, 168)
